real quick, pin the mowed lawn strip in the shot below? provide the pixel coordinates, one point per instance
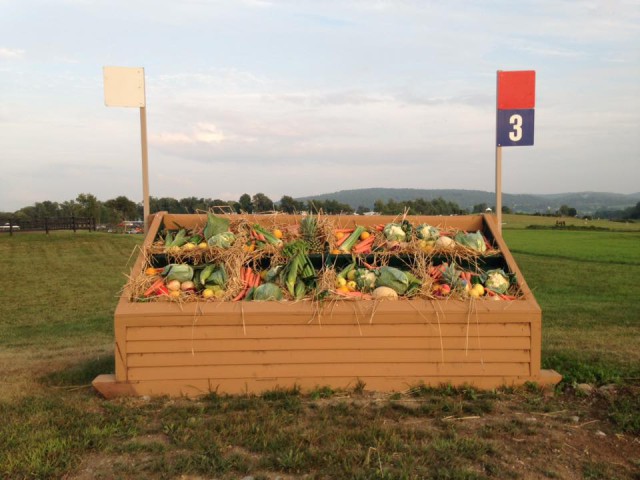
(62, 288)
(586, 284)
(518, 221)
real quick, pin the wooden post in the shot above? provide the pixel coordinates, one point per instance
(46, 226)
(73, 223)
(499, 187)
(145, 167)
(498, 166)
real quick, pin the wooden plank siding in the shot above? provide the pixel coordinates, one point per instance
(167, 348)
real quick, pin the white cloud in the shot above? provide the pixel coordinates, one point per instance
(204, 133)
(11, 53)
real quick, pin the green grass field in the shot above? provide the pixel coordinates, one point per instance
(56, 335)
(512, 221)
(585, 284)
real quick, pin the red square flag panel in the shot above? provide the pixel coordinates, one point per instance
(517, 90)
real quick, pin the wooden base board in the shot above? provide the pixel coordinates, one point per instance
(108, 387)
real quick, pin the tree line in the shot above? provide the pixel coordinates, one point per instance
(121, 208)
(629, 213)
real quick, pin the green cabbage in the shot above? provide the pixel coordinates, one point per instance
(401, 282)
(178, 271)
(266, 291)
(222, 240)
(474, 241)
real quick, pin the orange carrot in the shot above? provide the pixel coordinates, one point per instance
(256, 280)
(364, 296)
(152, 289)
(363, 245)
(241, 295)
(366, 240)
(341, 241)
(248, 279)
(344, 230)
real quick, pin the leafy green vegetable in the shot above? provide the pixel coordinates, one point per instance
(266, 291)
(178, 271)
(179, 240)
(407, 228)
(215, 225)
(474, 241)
(401, 282)
(222, 240)
(218, 277)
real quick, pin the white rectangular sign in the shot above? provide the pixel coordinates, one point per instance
(124, 87)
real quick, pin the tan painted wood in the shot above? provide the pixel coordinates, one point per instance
(110, 388)
(536, 348)
(329, 370)
(276, 344)
(301, 357)
(401, 311)
(120, 353)
(327, 331)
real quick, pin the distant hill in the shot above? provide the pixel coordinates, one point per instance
(584, 202)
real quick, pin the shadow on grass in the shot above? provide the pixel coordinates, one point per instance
(81, 373)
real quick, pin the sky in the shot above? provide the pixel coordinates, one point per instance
(308, 97)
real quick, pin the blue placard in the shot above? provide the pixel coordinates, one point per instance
(515, 128)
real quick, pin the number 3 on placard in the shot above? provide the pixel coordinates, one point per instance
(516, 121)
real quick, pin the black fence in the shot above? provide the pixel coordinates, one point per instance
(48, 224)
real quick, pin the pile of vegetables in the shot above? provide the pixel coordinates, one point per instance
(303, 261)
(395, 237)
(180, 279)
